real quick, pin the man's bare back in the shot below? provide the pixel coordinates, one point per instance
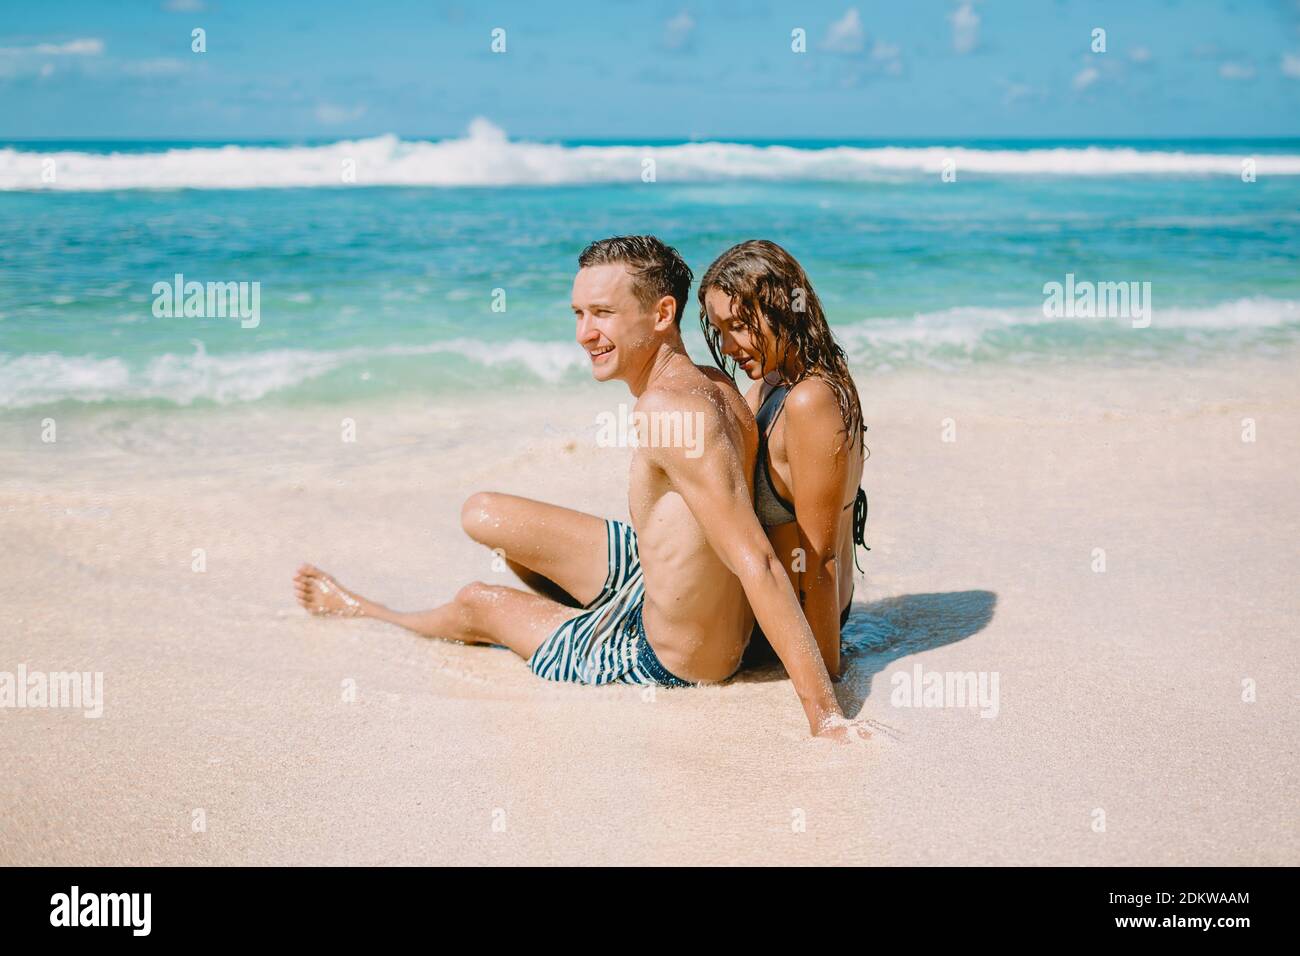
(696, 615)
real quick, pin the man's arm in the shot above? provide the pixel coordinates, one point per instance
(713, 486)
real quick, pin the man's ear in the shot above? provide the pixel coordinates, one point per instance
(665, 313)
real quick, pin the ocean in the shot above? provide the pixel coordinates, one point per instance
(388, 267)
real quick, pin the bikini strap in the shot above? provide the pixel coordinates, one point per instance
(767, 415)
(859, 525)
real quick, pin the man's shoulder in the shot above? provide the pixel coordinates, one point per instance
(680, 396)
(715, 374)
(696, 411)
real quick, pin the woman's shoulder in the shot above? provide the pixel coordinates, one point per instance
(813, 398)
(814, 411)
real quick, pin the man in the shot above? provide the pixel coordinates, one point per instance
(668, 600)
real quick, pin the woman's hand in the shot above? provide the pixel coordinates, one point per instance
(843, 731)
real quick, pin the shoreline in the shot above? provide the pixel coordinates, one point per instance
(1034, 369)
(962, 342)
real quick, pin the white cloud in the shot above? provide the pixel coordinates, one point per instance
(1015, 92)
(1085, 78)
(1236, 71)
(1291, 65)
(84, 47)
(965, 28)
(159, 67)
(1140, 54)
(17, 61)
(331, 114)
(678, 31)
(887, 55)
(83, 57)
(846, 34)
(884, 51)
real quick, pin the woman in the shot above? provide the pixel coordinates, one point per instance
(759, 312)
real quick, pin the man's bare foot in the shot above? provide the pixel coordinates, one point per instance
(321, 594)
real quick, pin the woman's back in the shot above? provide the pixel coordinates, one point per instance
(777, 478)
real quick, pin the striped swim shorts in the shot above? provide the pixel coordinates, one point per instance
(606, 643)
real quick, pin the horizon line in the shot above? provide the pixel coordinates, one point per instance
(684, 140)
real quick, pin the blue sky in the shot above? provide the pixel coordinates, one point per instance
(648, 69)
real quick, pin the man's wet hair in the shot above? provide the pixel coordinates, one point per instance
(657, 269)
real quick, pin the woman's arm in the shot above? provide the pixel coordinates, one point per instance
(819, 459)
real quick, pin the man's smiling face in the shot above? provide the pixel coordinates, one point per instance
(612, 324)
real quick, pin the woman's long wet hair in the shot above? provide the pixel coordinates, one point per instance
(763, 280)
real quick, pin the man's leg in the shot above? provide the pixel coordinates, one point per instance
(561, 553)
(479, 614)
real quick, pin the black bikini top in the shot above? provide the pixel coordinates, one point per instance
(771, 508)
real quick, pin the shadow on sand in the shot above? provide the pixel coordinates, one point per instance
(883, 631)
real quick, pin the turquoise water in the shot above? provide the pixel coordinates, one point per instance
(371, 288)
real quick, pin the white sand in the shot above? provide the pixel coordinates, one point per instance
(1118, 691)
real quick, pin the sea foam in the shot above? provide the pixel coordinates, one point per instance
(926, 339)
(486, 157)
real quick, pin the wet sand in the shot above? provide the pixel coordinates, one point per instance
(237, 729)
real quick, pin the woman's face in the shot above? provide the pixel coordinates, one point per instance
(736, 341)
